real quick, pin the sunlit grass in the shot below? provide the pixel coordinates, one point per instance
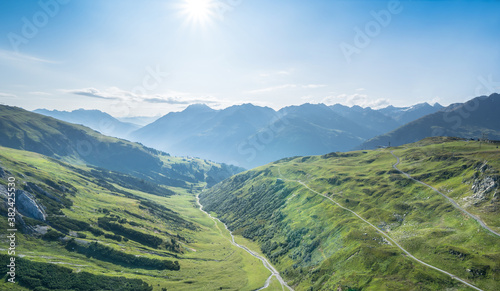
(351, 253)
(208, 262)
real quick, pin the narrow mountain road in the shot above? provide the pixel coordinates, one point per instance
(382, 233)
(265, 262)
(455, 204)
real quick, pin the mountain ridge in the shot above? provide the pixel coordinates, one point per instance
(95, 119)
(24, 130)
(250, 135)
(470, 119)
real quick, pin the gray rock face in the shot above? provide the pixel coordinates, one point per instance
(27, 206)
(485, 182)
(484, 167)
(24, 204)
(484, 185)
(481, 187)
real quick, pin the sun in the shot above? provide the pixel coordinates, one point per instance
(198, 11)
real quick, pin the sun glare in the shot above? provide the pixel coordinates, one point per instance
(198, 11)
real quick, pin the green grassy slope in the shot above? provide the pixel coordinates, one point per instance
(316, 245)
(100, 223)
(24, 130)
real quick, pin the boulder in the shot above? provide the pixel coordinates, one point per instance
(27, 206)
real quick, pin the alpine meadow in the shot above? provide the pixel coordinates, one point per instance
(199, 145)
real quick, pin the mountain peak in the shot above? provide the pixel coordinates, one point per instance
(198, 107)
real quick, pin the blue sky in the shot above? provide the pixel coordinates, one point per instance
(152, 57)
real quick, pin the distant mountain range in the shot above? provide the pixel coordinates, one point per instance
(25, 130)
(139, 120)
(403, 115)
(386, 119)
(471, 119)
(95, 119)
(249, 135)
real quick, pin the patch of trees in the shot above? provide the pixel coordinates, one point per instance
(42, 194)
(131, 182)
(165, 213)
(108, 254)
(334, 181)
(62, 186)
(113, 236)
(107, 223)
(52, 235)
(96, 231)
(44, 276)
(136, 215)
(31, 221)
(65, 224)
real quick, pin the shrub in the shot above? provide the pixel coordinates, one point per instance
(43, 276)
(52, 235)
(140, 237)
(105, 253)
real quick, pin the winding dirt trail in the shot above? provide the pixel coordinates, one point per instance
(265, 262)
(455, 204)
(383, 234)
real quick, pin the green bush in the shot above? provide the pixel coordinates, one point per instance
(52, 235)
(65, 224)
(140, 237)
(45, 276)
(113, 236)
(105, 253)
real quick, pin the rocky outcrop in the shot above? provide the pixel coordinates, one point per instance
(27, 206)
(484, 185)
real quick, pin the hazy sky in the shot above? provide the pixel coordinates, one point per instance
(153, 57)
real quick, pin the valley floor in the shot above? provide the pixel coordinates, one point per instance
(208, 259)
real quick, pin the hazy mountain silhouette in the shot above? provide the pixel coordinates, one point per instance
(249, 135)
(374, 120)
(140, 121)
(25, 130)
(471, 119)
(95, 119)
(404, 115)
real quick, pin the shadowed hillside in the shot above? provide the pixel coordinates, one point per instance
(471, 119)
(21, 129)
